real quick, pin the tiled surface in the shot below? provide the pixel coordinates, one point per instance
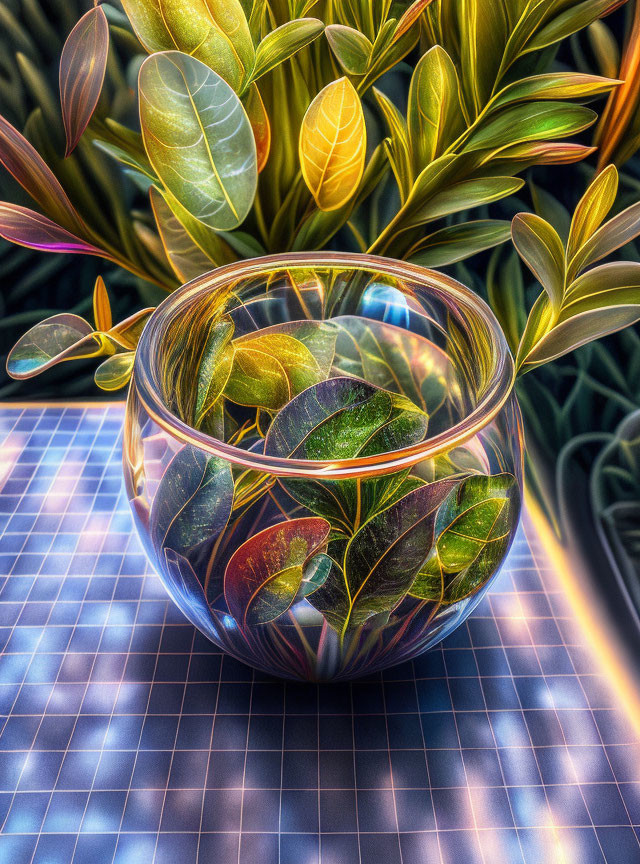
(126, 737)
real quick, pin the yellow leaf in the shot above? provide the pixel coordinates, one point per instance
(333, 142)
(115, 372)
(101, 306)
(592, 209)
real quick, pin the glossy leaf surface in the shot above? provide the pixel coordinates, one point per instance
(198, 138)
(61, 337)
(214, 369)
(382, 559)
(185, 257)
(284, 42)
(351, 48)
(541, 249)
(192, 503)
(212, 31)
(115, 372)
(472, 532)
(82, 67)
(27, 228)
(344, 418)
(271, 369)
(333, 143)
(264, 575)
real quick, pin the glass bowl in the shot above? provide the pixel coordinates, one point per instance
(323, 455)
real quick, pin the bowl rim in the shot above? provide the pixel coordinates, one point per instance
(497, 392)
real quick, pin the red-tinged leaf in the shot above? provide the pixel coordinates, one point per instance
(31, 171)
(410, 17)
(82, 67)
(264, 575)
(549, 152)
(35, 231)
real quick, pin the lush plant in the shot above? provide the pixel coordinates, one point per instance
(231, 169)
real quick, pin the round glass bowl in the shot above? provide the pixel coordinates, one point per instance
(323, 455)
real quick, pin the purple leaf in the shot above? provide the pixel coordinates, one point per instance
(82, 67)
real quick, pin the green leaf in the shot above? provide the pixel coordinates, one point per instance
(192, 503)
(592, 209)
(541, 249)
(611, 236)
(270, 369)
(264, 575)
(344, 418)
(115, 372)
(82, 67)
(198, 138)
(186, 258)
(483, 34)
(553, 85)
(61, 337)
(214, 368)
(393, 359)
(576, 17)
(212, 31)
(458, 242)
(434, 114)
(351, 48)
(505, 291)
(284, 42)
(381, 560)
(529, 122)
(600, 302)
(473, 529)
(464, 196)
(398, 147)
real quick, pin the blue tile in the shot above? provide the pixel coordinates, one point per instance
(261, 810)
(299, 811)
(142, 810)
(377, 847)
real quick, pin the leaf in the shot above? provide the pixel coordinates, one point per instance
(483, 33)
(260, 123)
(192, 503)
(214, 32)
(605, 48)
(592, 209)
(529, 122)
(381, 560)
(393, 359)
(198, 138)
(264, 575)
(464, 196)
(473, 529)
(611, 236)
(333, 143)
(28, 228)
(553, 85)
(434, 115)
(34, 175)
(82, 67)
(410, 17)
(186, 258)
(352, 49)
(101, 305)
(127, 333)
(576, 17)
(461, 241)
(284, 42)
(600, 302)
(61, 337)
(344, 418)
(541, 249)
(268, 371)
(398, 149)
(541, 153)
(214, 368)
(115, 372)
